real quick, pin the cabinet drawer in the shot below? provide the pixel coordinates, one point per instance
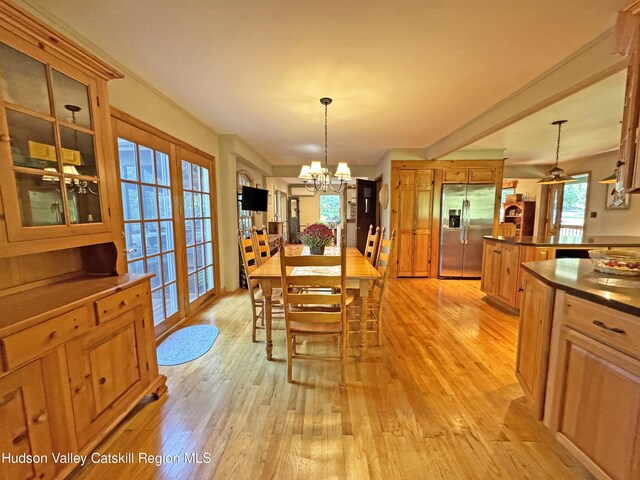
(617, 329)
(32, 342)
(455, 175)
(114, 305)
(482, 175)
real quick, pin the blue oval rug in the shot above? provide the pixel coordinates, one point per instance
(186, 344)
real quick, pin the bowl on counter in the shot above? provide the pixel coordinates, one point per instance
(616, 262)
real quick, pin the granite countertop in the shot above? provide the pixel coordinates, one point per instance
(577, 277)
(558, 241)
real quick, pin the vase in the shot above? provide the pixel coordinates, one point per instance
(316, 249)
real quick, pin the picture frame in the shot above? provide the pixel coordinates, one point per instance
(617, 200)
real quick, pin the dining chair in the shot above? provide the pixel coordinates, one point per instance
(312, 313)
(261, 244)
(250, 263)
(371, 247)
(376, 293)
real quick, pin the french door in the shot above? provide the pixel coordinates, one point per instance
(168, 211)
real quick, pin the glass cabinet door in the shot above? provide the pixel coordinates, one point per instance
(49, 136)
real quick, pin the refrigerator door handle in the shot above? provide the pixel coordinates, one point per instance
(462, 220)
(467, 220)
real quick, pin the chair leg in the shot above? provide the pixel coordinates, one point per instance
(254, 322)
(379, 329)
(290, 347)
(343, 359)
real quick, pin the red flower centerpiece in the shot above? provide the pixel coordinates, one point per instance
(317, 236)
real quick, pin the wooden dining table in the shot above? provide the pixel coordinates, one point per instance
(359, 275)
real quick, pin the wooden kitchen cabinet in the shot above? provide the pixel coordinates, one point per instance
(482, 175)
(536, 312)
(500, 270)
(24, 423)
(55, 140)
(455, 175)
(415, 205)
(490, 267)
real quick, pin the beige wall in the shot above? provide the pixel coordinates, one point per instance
(275, 183)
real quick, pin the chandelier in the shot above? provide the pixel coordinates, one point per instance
(556, 175)
(317, 177)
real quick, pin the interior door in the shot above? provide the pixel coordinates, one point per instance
(553, 217)
(367, 202)
(294, 219)
(406, 216)
(422, 223)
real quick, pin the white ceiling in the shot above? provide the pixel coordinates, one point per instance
(402, 73)
(593, 126)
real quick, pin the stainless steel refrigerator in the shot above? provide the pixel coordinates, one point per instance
(466, 216)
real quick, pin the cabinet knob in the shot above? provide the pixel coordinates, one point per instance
(521, 289)
(604, 326)
(124, 302)
(40, 418)
(19, 438)
(53, 334)
(80, 389)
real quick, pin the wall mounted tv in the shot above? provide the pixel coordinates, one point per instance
(254, 199)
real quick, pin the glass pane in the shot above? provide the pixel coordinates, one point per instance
(128, 160)
(71, 99)
(198, 230)
(171, 299)
(147, 167)
(209, 275)
(186, 175)
(77, 152)
(197, 205)
(40, 200)
(208, 253)
(169, 267)
(151, 238)
(162, 168)
(191, 259)
(25, 80)
(202, 284)
(188, 228)
(205, 180)
(166, 234)
(149, 207)
(130, 201)
(200, 256)
(153, 266)
(158, 307)
(193, 288)
(32, 141)
(330, 208)
(207, 230)
(83, 201)
(136, 267)
(195, 177)
(188, 205)
(133, 240)
(164, 202)
(206, 206)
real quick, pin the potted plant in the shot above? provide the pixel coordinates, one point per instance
(317, 236)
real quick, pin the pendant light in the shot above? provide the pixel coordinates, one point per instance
(556, 174)
(317, 177)
(610, 179)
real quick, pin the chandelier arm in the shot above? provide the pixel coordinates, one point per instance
(340, 186)
(306, 185)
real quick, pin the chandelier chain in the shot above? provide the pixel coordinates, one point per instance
(558, 144)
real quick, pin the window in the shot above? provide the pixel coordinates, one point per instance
(198, 236)
(245, 220)
(574, 205)
(148, 222)
(330, 209)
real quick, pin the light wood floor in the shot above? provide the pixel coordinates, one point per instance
(439, 400)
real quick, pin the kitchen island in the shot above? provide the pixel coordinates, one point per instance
(578, 361)
(502, 257)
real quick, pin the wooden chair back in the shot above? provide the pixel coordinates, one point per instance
(309, 311)
(371, 247)
(249, 258)
(261, 244)
(507, 229)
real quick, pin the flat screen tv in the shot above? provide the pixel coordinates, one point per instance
(254, 199)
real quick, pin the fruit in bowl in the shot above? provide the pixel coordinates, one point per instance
(617, 262)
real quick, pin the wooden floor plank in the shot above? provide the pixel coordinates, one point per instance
(438, 400)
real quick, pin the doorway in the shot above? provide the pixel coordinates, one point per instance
(366, 206)
(566, 208)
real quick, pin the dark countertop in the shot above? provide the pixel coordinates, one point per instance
(577, 277)
(557, 241)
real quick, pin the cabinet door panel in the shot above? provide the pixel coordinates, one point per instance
(107, 369)
(482, 175)
(508, 277)
(406, 214)
(455, 175)
(486, 282)
(24, 423)
(423, 220)
(599, 409)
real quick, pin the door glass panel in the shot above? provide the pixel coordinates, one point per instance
(32, 141)
(78, 152)
(83, 200)
(198, 229)
(39, 199)
(25, 80)
(136, 267)
(152, 240)
(71, 99)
